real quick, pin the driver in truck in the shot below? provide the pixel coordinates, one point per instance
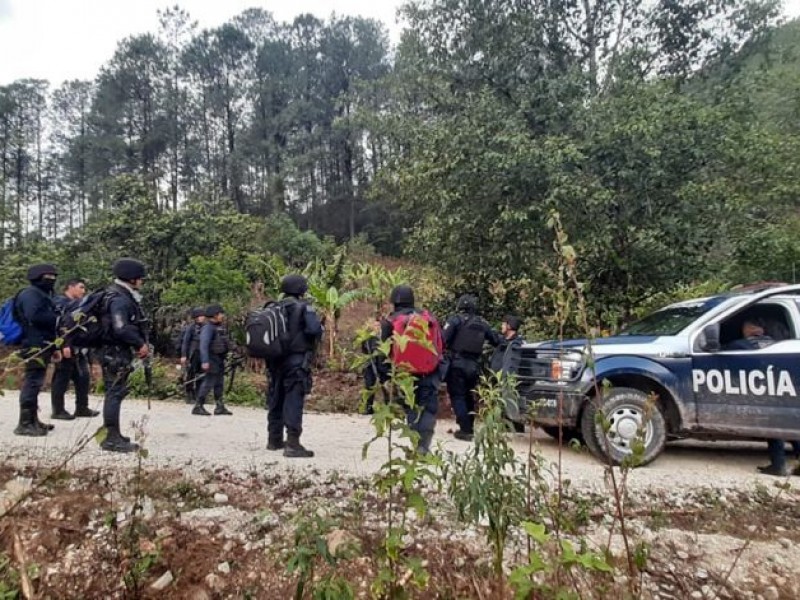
(755, 338)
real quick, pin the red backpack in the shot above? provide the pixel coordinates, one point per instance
(424, 347)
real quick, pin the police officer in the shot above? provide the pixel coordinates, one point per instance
(214, 347)
(74, 365)
(290, 376)
(127, 339)
(376, 371)
(422, 418)
(36, 313)
(509, 329)
(754, 337)
(190, 353)
(465, 333)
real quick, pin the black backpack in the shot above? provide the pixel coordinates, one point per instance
(269, 331)
(470, 336)
(88, 324)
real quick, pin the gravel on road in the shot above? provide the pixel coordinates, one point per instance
(178, 440)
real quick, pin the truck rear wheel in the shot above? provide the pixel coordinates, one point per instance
(632, 417)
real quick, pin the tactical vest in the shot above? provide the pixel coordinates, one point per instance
(470, 336)
(194, 339)
(219, 343)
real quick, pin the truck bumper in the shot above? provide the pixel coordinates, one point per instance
(549, 406)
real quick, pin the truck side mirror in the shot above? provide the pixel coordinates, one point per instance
(708, 340)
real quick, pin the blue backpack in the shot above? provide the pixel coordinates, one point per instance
(10, 328)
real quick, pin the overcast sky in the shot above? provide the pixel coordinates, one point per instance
(70, 39)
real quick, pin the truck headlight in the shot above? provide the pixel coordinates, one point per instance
(563, 370)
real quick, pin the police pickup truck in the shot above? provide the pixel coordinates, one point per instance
(671, 375)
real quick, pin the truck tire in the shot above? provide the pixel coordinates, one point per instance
(589, 430)
(625, 409)
(567, 433)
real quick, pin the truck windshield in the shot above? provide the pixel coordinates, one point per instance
(668, 321)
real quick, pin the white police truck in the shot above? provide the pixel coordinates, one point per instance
(671, 375)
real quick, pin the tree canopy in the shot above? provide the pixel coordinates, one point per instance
(665, 134)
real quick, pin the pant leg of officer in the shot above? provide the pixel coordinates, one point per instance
(275, 402)
(458, 390)
(471, 382)
(219, 385)
(370, 381)
(195, 370)
(32, 384)
(64, 371)
(115, 378)
(207, 384)
(426, 395)
(81, 377)
(777, 453)
(296, 385)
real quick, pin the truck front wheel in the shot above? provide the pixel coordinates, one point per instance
(567, 433)
(630, 417)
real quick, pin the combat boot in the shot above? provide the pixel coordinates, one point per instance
(221, 410)
(59, 412)
(277, 444)
(424, 444)
(464, 436)
(116, 442)
(85, 411)
(199, 409)
(45, 426)
(27, 424)
(294, 449)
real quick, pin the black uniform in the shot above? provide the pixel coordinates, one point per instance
(290, 377)
(464, 336)
(75, 369)
(190, 350)
(127, 333)
(376, 371)
(214, 347)
(502, 354)
(36, 313)
(422, 419)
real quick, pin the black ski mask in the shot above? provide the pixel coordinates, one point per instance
(45, 284)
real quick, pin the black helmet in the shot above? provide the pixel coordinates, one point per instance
(402, 296)
(198, 311)
(38, 271)
(468, 303)
(294, 285)
(128, 269)
(212, 310)
(514, 323)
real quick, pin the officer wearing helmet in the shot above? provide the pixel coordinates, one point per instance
(290, 376)
(214, 347)
(421, 418)
(36, 312)
(127, 338)
(190, 352)
(465, 334)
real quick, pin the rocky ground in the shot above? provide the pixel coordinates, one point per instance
(209, 513)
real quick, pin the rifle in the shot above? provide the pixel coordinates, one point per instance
(147, 365)
(235, 362)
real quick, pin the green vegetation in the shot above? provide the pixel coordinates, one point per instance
(665, 135)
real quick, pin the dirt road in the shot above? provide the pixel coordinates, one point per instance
(180, 440)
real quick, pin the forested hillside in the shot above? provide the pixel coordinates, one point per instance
(665, 135)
